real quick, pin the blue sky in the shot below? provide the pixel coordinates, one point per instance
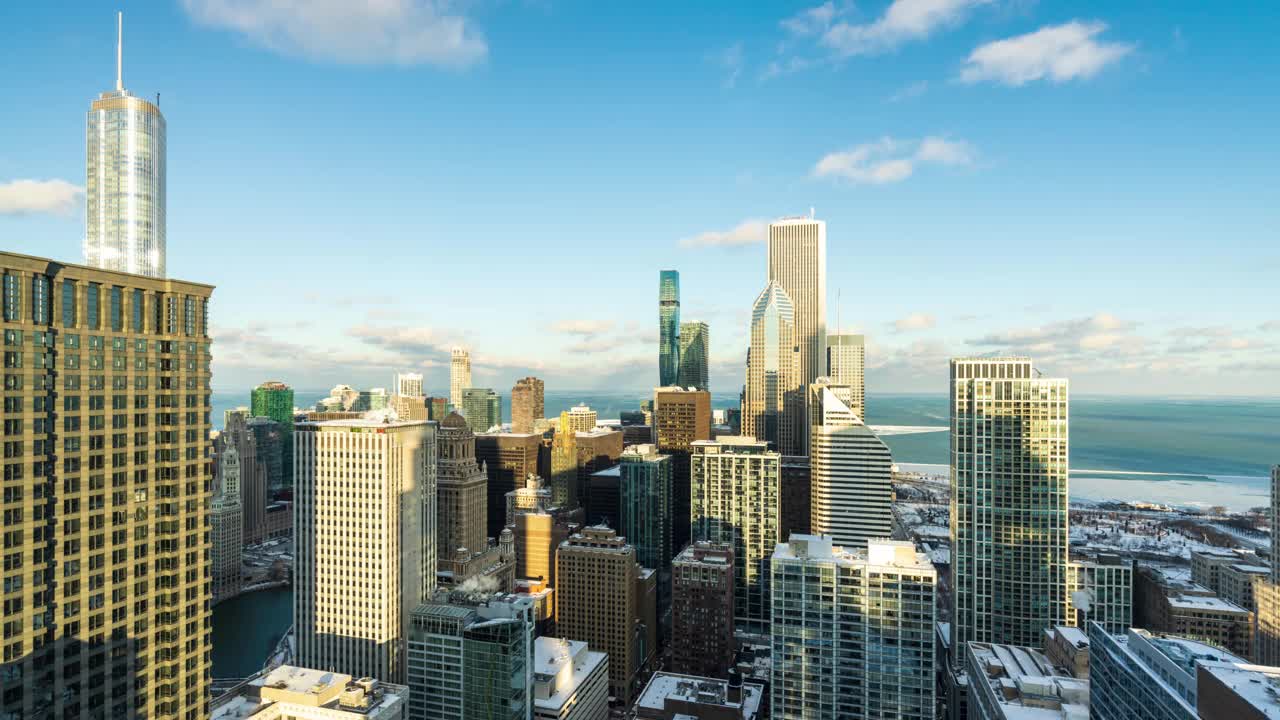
(1091, 183)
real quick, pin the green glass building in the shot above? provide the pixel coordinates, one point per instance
(644, 492)
(273, 399)
(668, 327)
(482, 407)
(695, 348)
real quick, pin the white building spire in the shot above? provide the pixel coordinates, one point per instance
(119, 52)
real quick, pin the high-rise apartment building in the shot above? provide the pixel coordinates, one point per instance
(125, 181)
(527, 404)
(846, 361)
(408, 407)
(645, 518)
(227, 526)
(702, 610)
(851, 473)
(482, 408)
(735, 502)
(371, 400)
(461, 492)
(852, 632)
(1009, 515)
(507, 459)
(1101, 591)
(695, 354)
(597, 603)
(365, 537)
(274, 399)
(773, 401)
(797, 261)
(471, 657)
(668, 327)
(578, 418)
(459, 375)
(107, 484)
(680, 417)
(409, 383)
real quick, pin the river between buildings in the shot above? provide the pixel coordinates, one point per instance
(246, 629)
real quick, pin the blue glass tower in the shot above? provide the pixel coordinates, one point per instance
(668, 327)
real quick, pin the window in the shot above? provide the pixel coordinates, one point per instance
(40, 300)
(189, 315)
(12, 297)
(139, 306)
(117, 308)
(68, 303)
(92, 307)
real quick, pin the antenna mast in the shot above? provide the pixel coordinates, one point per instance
(119, 51)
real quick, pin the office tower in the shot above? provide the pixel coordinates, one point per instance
(846, 360)
(482, 408)
(735, 502)
(852, 632)
(538, 527)
(409, 384)
(794, 496)
(1009, 539)
(459, 375)
(526, 404)
(371, 400)
(461, 492)
(596, 601)
(668, 327)
(471, 657)
(1141, 675)
(409, 407)
(227, 526)
(773, 402)
(851, 474)
(289, 692)
(1008, 682)
(797, 261)
(274, 399)
(507, 459)
(702, 610)
(269, 439)
(578, 418)
(437, 408)
(570, 682)
(1101, 591)
(603, 497)
(253, 473)
(106, 492)
(680, 418)
(695, 352)
(645, 519)
(365, 538)
(593, 451)
(125, 181)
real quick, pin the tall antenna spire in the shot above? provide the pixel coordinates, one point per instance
(119, 52)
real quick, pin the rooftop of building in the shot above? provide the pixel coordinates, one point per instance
(879, 552)
(702, 690)
(1026, 684)
(372, 419)
(333, 693)
(1073, 635)
(1205, 603)
(560, 667)
(1256, 685)
(1250, 568)
(129, 279)
(613, 471)
(705, 553)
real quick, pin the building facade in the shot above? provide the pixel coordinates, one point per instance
(644, 490)
(668, 327)
(364, 518)
(702, 610)
(1009, 518)
(852, 632)
(482, 408)
(695, 355)
(289, 692)
(735, 502)
(107, 485)
(227, 526)
(1101, 591)
(797, 262)
(459, 375)
(570, 682)
(253, 474)
(461, 492)
(408, 383)
(1007, 682)
(773, 399)
(680, 417)
(274, 400)
(846, 361)
(507, 459)
(851, 474)
(527, 404)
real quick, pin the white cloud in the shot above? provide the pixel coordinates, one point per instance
(1056, 52)
(404, 32)
(731, 60)
(914, 321)
(23, 197)
(811, 21)
(888, 160)
(585, 328)
(902, 21)
(914, 90)
(747, 232)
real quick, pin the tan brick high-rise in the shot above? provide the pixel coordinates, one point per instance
(526, 404)
(680, 417)
(106, 492)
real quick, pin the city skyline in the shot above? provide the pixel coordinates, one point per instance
(986, 174)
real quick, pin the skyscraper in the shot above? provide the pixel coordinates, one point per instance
(227, 526)
(702, 610)
(1009, 515)
(253, 473)
(645, 517)
(846, 360)
(365, 517)
(668, 327)
(578, 418)
(735, 502)
(461, 492)
(459, 375)
(773, 406)
(526, 404)
(409, 384)
(273, 399)
(680, 417)
(852, 631)
(695, 352)
(106, 547)
(797, 260)
(850, 473)
(482, 408)
(125, 180)
(507, 458)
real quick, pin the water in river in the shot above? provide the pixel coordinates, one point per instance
(247, 628)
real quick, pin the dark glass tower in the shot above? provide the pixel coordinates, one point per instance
(668, 327)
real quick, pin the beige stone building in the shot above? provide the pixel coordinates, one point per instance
(527, 404)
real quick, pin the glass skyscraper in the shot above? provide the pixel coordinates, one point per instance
(773, 406)
(644, 490)
(273, 399)
(668, 327)
(695, 345)
(482, 408)
(125, 183)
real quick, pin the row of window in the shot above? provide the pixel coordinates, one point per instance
(164, 315)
